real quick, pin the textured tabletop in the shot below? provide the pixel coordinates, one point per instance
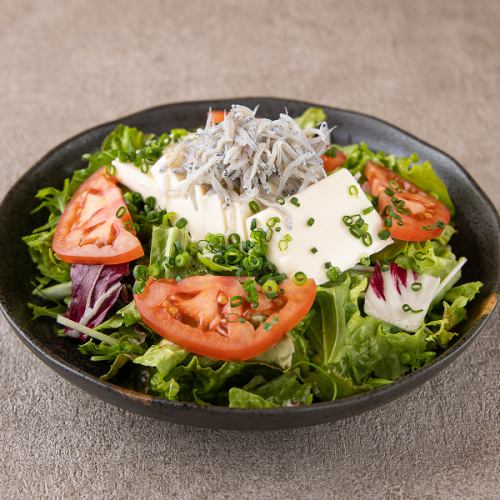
(430, 67)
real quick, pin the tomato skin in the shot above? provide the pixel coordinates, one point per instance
(333, 163)
(425, 210)
(217, 116)
(89, 232)
(189, 313)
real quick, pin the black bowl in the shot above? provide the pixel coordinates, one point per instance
(477, 221)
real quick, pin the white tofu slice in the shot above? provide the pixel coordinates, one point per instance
(208, 218)
(132, 178)
(236, 215)
(327, 202)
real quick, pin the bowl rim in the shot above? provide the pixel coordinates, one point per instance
(403, 385)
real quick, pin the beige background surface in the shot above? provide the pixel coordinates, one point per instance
(430, 67)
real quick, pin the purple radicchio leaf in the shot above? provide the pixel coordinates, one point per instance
(399, 276)
(377, 282)
(94, 291)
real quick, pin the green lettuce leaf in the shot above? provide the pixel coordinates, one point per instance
(438, 331)
(48, 264)
(163, 356)
(239, 398)
(429, 257)
(47, 312)
(129, 342)
(311, 118)
(350, 352)
(280, 355)
(285, 390)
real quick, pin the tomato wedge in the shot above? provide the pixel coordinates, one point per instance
(217, 116)
(208, 315)
(331, 163)
(89, 231)
(416, 215)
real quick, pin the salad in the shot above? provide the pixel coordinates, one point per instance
(251, 263)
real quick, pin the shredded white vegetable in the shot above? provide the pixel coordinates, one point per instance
(245, 157)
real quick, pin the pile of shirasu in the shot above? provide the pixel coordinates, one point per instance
(245, 157)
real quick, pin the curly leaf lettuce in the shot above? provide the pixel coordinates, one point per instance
(311, 118)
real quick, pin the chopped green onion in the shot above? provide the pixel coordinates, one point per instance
(136, 198)
(287, 237)
(416, 286)
(310, 221)
(384, 266)
(280, 200)
(366, 239)
(251, 262)
(234, 239)
(347, 220)
(407, 308)
(181, 223)
(387, 222)
(389, 191)
(270, 287)
(328, 265)
(364, 261)
(295, 201)
(254, 206)
(384, 235)
(353, 190)
(333, 274)
(272, 221)
(314, 250)
(394, 185)
(299, 278)
(182, 259)
(367, 210)
(236, 300)
(253, 224)
(283, 245)
(150, 201)
(355, 231)
(110, 170)
(121, 212)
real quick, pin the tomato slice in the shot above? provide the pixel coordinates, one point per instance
(331, 163)
(217, 116)
(89, 232)
(419, 216)
(202, 314)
